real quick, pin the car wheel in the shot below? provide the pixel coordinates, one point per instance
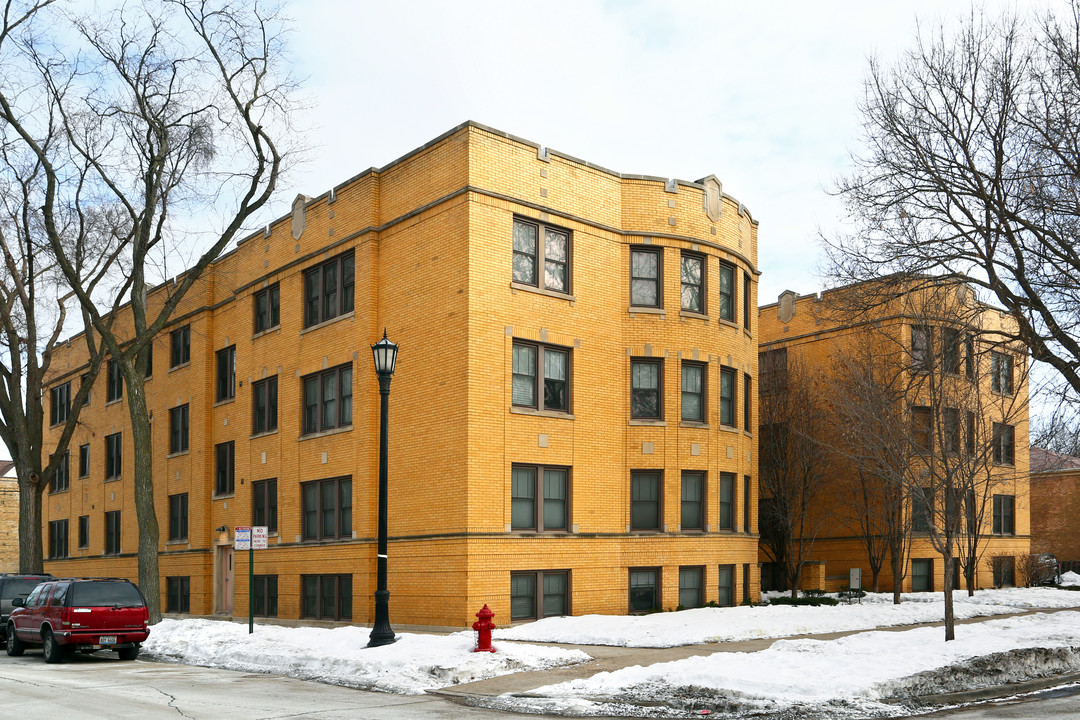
(128, 653)
(53, 652)
(14, 645)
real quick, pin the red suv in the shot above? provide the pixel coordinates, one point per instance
(85, 614)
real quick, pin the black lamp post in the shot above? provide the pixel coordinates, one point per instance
(385, 354)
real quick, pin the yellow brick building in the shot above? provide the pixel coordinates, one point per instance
(571, 419)
(963, 385)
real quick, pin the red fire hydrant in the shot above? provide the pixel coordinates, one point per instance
(483, 628)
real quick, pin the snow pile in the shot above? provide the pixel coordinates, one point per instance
(412, 665)
(704, 625)
(853, 676)
(1070, 578)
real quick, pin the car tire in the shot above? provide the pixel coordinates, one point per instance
(14, 645)
(54, 653)
(128, 653)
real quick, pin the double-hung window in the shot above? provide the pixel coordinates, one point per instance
(746, 306)
(725, 280)
(539, 498)
(84, 531)
(747, 394)
(58, 539)
(224, 468)
(327, 509)
(178, 594)
(646, 268)
(541, 248)
(950, 420)
(920, 347)
(950, 350)
(265, 596)
(60, 480)
(327, 400)
(59, 403)
(226, 373)
(692, 282)
(84, 460)
(692, 512)
(178, 429)
(535, 595)
(921, 428)
(114, 382)
(541, 377)
(114, 458)
(328, 289)
(922, 509)
(646, 388)
(112, 532)
(727, 397)
(693, 392)
(267, 308)
(691, 587)
(1004, 443)
(178, 517)
(326, 597)
(1004, 515)
(264, 504)
(264, 405)
(180, 346)
(726, 585)
(726, 521)
(645, 505)
(644, 590)
(1001, 373)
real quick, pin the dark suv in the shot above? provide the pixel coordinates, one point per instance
(84, 614)
(15, 585)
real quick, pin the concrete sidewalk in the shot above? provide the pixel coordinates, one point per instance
(608, 658)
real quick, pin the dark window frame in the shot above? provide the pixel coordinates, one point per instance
(84, 460)
(266, 308)
(114, 382)
(539, 497)
(702, 393)
(180, 347)
(225, 374)
(314, 414)
(922, 428)
(225, 469)
(58, 539)
(637, 504)
(702, 304)
(179, 429)
(544, 390)
(84, 531)
(113, 526)
(748, 390)
(61, 480)
(265, 596)
(728, 587)
(178, 517)
(746, 300)
(1004, 522)
(540, 258)
(539, 594)
(313, 519)
(637, 414)
(689, 571)
(950, 430)
(59, 403)
(698, 505)
(746, 503)
(657, 282)
(728, 401)
(1004, 444)
(264, 405)
(922, 510)
(928, 563)
(922, 347)
(655, 589)
(178, 594)
(114, 456)
(1001, 373)
(950, 350)
(322, 303)
(730, 298)
(341, 592)
(264, 507)
(730, 523)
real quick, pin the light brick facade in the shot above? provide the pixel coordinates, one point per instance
(432, 239)
(9, 517)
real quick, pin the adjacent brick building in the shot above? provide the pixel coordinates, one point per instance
(571, 421)
(1055, 506)
(9, 517)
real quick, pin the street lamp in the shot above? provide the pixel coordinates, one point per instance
(385, 355)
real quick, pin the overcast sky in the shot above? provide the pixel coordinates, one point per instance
(762, 94)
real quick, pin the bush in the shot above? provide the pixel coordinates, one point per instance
(812, 601)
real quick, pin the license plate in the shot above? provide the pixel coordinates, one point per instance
(108, 639)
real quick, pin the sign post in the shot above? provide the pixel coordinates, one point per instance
(251, 539)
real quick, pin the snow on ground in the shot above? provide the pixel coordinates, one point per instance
(703, 625)
(1070, 578)
(848, 677)
(412, 665)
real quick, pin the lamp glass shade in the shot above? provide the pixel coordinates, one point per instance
(385, 354)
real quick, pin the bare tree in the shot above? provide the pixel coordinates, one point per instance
(971, 166)
(792, 462)
(171, 108)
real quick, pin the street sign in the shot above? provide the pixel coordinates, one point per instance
(242, 538)
(259, 535)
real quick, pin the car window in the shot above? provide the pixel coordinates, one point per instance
(32, 596)
(42, 596)
(58, 595)
(18, 587)
(105, 594)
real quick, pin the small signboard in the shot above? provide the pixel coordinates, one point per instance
(242, 538)
(855, 578)
(259, 535)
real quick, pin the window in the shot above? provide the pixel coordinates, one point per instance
(644, 590)
(328, 290)
(328, 400)
(58, 539)
(969, 435)
(264, 405)
(950, 418)
(692, 282)
(1001, 373)
(267, 308)
(178, 429)
(922, 575)
(541, 377)
(1004, 515)
(84, 461)
(727, 397)
(112, 532)
(646, 271)
(178, 515)
(178, 594)
(920, 347)
(746, 582)
(84, 531)
(746, 306)
(550, 513)
(950, 350)
(226, 373)
(327, 509)
(969, 357)
(264, 504)
(922, 509)
(114, 460)
(773, 372)
(553, 254)
(726, 597)
(747, 394)
(726, 521)
(180, 346)
(746, 504)
(692, 514)
(693, 392)
(526, 603)
(326, 597)
(265, 595)
(645, 500)
(224, 468)
(726, 281)
(646, 396)
(59, 403)
(148, 355)
(1004, 436)
(921, 435)
(114, 386)
(82, 380)
(691, 586)
(60, 479)
(1004, 568)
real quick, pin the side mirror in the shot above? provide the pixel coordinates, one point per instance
(18, 602)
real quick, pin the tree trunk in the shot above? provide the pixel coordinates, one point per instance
(950, 618)
(875, 574)
(31, 558)
(149, 579)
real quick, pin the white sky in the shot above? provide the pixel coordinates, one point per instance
(761, 94)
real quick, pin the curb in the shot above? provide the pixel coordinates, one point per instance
(995, 692)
